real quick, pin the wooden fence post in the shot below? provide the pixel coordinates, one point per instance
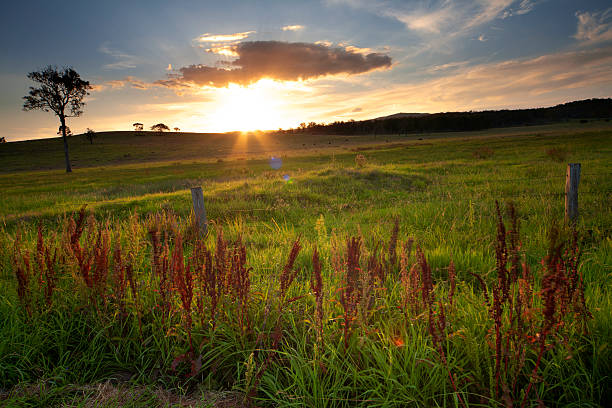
(572, 179)
(198, 209)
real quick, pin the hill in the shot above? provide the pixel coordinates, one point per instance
(402, 115)
(401, 123)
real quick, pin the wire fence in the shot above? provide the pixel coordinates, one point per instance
(415, 196)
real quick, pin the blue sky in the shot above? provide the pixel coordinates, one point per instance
(219, 66)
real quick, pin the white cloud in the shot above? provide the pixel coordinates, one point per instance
(124, 60)
(122, 83)
(448, 18)
(295, 27)
(450, 65)
(513, 83)
(227, 50)
(594, 27)
(206, 38)
(524, 7)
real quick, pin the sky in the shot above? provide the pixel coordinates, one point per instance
(216, 66)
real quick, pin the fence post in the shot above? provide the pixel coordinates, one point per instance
(198, 209)
(572, 178)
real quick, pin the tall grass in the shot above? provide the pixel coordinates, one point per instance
(336, 330)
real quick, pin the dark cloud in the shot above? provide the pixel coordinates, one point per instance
(279, 60)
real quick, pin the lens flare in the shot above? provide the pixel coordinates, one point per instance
(276, 162)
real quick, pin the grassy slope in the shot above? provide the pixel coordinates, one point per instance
(442, 194)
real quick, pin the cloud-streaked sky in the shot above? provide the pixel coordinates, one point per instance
(220, 66)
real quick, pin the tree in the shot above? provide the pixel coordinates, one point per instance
(138, 126)
(176, 129)
(60, 131)
(2, 140)
(61, 92)
(160, 127)
(90, 134)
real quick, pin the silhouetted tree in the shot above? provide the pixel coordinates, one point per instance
(176, 129)
(160, 127)
(2, 140)
(60, 131)
(138, 126)
(90, 134)
(61, 92)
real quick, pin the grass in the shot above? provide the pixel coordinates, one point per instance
(441, 192)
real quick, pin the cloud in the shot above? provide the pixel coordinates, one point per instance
(444, 18)
(124, 60)
(427, 21)
(122, 83)
(452, 18)
(206, 38)
(547, 79)
(281, 61)
(525, 6)
(227, 50)
(449, 66)
(482, 38)
(222, 44)
(296, 27)
(594, 27)
(358, 50)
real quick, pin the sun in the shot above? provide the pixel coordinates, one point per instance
(258, 106)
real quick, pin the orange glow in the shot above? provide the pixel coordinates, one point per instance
(259, 106)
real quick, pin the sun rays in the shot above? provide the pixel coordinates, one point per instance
(259, 106)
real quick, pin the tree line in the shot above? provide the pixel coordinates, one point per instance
(465, 121)
(159, 127)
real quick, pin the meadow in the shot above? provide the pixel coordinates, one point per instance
(365, 271)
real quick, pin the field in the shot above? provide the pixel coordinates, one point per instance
(127, 299)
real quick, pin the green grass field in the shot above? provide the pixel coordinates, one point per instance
(442, 190)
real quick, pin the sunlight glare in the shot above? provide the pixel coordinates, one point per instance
(255, 107)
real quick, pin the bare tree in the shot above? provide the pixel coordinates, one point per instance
(61, 92)
(138, 126)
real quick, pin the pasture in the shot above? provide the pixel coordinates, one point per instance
(245, 316)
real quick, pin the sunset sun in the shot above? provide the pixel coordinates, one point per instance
(259, 106)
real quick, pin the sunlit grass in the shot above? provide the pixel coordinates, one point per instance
(442, 195)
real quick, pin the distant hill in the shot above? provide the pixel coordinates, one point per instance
(404, 123)
(402, 115)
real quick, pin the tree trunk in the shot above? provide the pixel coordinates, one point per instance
(63, 122)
